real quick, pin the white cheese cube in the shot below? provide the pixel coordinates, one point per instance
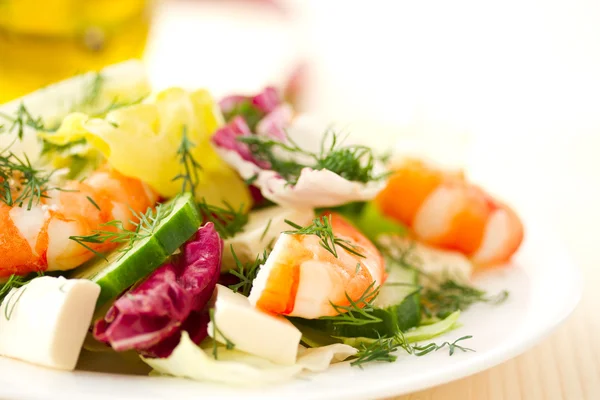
(253, 331)
(45, 321)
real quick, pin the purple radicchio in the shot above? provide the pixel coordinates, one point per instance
(267, 100)
(226, 137)
(273, 125)
(251, 108)
(150, 317)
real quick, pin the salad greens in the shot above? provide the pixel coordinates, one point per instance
(352, 162)
(160, 273)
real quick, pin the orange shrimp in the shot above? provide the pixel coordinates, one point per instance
(445, 210)
(38, 239)
(300, 278)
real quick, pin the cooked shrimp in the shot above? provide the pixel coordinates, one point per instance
(445, 210)
(301, 278)
(38, 239)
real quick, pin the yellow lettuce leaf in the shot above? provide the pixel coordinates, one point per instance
(142, 140)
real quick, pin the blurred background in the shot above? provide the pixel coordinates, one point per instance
(492, 84)
(508, 67)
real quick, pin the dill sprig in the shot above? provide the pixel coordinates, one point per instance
(450, 296)
(266, 230)
(22, 119)
(443, 296)
(93, 91)
(321, 227)
(382, 349)
(190, 176)
(144, 227)
(20, 182)
(92, 95)
(357, 312)
(246, 273)
(115, 104)
(229, 345)
(52, 148)
(352, 162)
(13, 281)
(452, 347)
(228, 222)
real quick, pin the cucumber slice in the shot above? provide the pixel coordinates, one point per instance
(397, 305)
(120, 271)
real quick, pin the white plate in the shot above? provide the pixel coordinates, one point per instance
(544, 288)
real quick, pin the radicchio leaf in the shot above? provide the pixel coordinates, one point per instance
(251, 108)
(267, 100)
(150, 317)
(273, 124)
(226, 137)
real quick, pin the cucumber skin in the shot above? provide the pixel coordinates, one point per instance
(127, 278)
(158, 248)
(406, 315)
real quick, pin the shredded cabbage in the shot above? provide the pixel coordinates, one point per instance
(238, 368)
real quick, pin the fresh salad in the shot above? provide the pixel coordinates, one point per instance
(228, 240)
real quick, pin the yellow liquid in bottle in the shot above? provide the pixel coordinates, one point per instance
(44, 41)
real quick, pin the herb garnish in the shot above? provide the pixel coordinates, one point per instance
(14, 282)
(20, 120)
(382, 349)
(229, 345)
(93, 203)
(321, 227)
(92, 95)
(357, 312)
(266, 230)
(20, 182)
(8, 313)
(443, 296)
(450, 296)
(93, 91)
(190, 177)
(228, 222)
(144, 228)
(352, 162)
(246, 273)
(428, 348)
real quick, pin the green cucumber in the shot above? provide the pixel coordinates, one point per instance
(397, 305)
(119, 271)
